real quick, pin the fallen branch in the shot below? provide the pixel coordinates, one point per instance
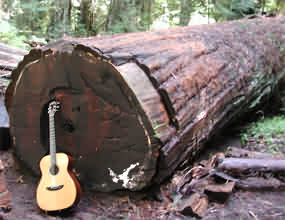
(242, 153)
(258, 183)
(246, 166)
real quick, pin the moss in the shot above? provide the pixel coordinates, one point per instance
(267, 132)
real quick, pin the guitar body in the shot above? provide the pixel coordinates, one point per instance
(59, 191)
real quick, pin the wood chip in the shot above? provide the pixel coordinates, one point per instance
(224, 188)
(20, 179)
(195, 204)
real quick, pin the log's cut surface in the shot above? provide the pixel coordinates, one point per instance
(136, 106)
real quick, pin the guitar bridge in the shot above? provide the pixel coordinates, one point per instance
(54, 188)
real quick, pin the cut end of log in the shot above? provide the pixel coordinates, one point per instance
(107, 122)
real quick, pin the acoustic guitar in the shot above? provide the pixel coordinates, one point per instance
(58, 188)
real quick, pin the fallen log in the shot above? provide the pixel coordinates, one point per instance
(246, 166)
(258, 183)
(242, 153)
(135, 106)
(10, 56)
(4, 126)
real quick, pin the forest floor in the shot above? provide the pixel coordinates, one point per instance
(240, 205)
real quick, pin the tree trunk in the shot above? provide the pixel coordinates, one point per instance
(60, 19)
(144, 103)
(121, 16)
(144, 9)
(87, 15)
(186, 8)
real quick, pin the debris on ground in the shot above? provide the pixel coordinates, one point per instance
(5, 199)
(215, 179)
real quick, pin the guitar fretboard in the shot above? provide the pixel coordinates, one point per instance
(53, 106)
(52, 140)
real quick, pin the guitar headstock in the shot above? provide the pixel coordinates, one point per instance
(53, 107)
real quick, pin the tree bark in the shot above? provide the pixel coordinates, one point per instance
(144, 103)
(10, 56)
(255, 183)
(242, 153)
(239, 166)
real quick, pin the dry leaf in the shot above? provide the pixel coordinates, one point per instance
(20, 180)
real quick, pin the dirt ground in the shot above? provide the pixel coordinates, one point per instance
(240, 205)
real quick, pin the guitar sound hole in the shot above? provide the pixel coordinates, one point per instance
(53, 170)
(54, 188)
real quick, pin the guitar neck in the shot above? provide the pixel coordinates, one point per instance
(52, 141)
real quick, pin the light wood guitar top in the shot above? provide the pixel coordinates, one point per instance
(60, 191)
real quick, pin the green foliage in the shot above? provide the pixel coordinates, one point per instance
(233, 9)
(12, 38)
(268, 127)
(29, 17)
(9, 34)
(278, 5)
(244, 138)
(122, 22)
(268, 133)
(265, 129)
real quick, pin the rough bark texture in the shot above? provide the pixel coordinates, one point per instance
(242, 153)
(249, 165)
(9, 58)
(259, 183)
(135, 106)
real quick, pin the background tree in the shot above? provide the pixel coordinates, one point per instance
(186, 9)
(88, 16)
(233, 9)
(59, 15)
(121, 16)
(144, 14)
